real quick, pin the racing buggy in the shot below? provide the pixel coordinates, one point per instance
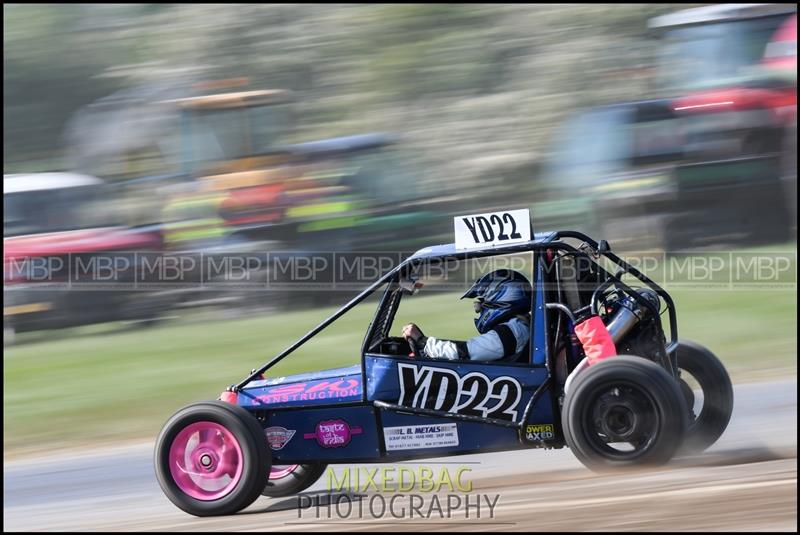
(600, 375)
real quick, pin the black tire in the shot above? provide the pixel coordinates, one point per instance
(624, 397)
(256, 457)
(299, 480)
(715, 414)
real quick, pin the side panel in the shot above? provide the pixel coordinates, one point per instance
(484, 390)
(328, 434)
(340, 385)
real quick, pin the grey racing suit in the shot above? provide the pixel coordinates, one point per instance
(504, 340)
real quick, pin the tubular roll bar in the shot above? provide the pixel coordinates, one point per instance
(627, 268)
(313, 332)
(551, 242)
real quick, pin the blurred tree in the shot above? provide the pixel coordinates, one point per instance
(49, 71)
(475, 89)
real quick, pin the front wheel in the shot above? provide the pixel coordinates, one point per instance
(286, 480)
(708, 392)
(211, 459)
(624, 411)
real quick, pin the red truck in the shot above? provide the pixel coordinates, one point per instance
(66, 261)
(730, 72)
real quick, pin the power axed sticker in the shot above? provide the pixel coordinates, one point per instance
(333, 433)
(278, 437)
(537, 432)
(417, 437)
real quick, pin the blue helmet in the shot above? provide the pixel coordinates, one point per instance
(501, 295)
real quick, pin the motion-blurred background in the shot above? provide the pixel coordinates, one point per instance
(268, 133)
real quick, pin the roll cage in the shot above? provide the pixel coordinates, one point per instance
(542, 246)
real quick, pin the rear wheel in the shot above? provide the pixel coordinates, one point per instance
(211, 459)
(708, 392)
(286, 480)
(624, 411)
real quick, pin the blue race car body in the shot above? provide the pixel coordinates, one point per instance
(275, 436)
(331, 415)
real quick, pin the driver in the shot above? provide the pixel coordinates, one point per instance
(503, 303)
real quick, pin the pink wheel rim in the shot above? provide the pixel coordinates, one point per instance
(281, 471)
(205, 461)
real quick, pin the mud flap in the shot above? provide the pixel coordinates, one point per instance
(595, 339)
(597, 345)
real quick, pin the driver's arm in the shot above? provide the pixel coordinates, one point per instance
(484, 347)
(445, 349)
(480, 348)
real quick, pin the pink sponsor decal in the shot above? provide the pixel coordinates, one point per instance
(333, 433)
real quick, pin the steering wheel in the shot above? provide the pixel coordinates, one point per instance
(418, 352)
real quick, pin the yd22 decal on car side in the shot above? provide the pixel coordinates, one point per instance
(474, 394)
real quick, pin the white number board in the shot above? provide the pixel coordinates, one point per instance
(493, 229)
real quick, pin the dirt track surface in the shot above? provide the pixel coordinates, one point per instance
(748, 481)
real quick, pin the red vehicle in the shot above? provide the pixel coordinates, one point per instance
(58, 235)
(731, 74)
(712, 160)
(780, 59)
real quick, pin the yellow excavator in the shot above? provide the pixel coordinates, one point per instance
(226, 168)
